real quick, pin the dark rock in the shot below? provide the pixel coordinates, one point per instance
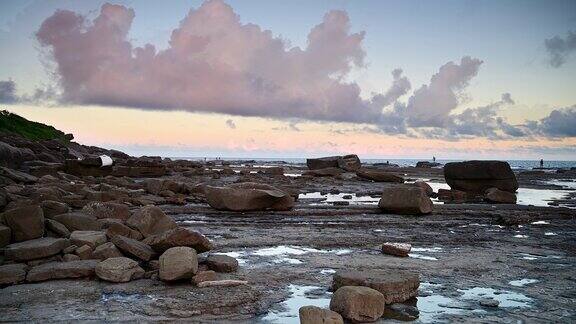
(179, 236)
(91, 238)
(324, 172)
(11, 274)
(247, 196)
(62, 270)
(35, 249)
(405, 199)
(133, 248)
(17, 176)
(378, 175)
(113, 229)
(477, 176)
(496, 195)
(26, 223)
(59, 229)
(107, 210)
(77, 221)
(401, 312)
(222, 263)
(202, 276)
(5, 235)
(150, 220)
(105, 251)
(52, 208)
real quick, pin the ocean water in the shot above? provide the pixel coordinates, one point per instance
(514, 164)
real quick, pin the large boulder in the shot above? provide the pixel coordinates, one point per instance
(62, 270)
(13, 157)
(52, 208)
(151, 220)
(349, 162)
(397, 286)
(358, 304)
(35, 249)
(119, 269)
(179, 236)
(26, 223)
(76, 221)
(107, 210)
(477, 176)
(498, 196)
(133, 248)
(405, 199)
(178, 263)
(90, 238)
(12, 273)
(378, 176)
(317, 315)
(248, 196)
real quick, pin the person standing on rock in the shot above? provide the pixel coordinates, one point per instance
(433, 159)
(541, 163)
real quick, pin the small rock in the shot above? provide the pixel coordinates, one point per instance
(222, 263)
(317, 315)
(222, 283)
(202, 276)
(178, 263)
(70, 257)
(52, 208)
(84, 252)
(489, 302)
(378, 176)
(91, 238)
(119, 269)
(113, 229)
(496, 195)
(396, 249)
(358, 304)
(106, 251)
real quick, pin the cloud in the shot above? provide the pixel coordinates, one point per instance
(8, 92)
(559, 123)
(560, 49)
(400, 86)
(230, 123)
(431, 104)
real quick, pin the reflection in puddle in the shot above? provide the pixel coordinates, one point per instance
(540, 223)
(299, 297)
(280, 254)
(433, 306)
(331, 198)
(539, 197)
(422, 256)
(327, 271)
(522, 282)
(506, 298)
(520, 236)
(550, 234)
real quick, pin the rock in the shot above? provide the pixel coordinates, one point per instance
(62, 270)
(406, 200)
(248, 196)
(397, 286)
(26, 223)
(5, 235)
(17, 176)
(70, 257)
(489, 302)
(119, 269)
(133, 248)
(222, 263)
(151, 220)
(178, 263)
(35, 249)
(58, 228)
(202, 276)
(11, 274)
(378, 176)
(452, 196)
(496, 195)
(358, 304)
(70, 248)
(52, 208)
(179, 236)
(349, 162)
(84, 252)
(222, 283)
(401, 312)
(273, 171)
(477, 176)
(426, 187)
(37, 262)
(113, 229)
(91, 238)
(107, 210)
(325, 172)
(396, 249)
(317, 315)
(13, 157)
(105, 251)
(427, 164)
(76, 221)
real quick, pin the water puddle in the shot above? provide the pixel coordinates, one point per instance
(423, 256)
(550, 234)
(350, 198)
(520, 236)
(539, 197)
(540, 223)
(279, 254)
(300, 296)
(506, 298)
(522, 282)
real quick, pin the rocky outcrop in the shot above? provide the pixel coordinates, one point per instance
(405, 199)
(26, 223)
(347, 162)
(358, 304)
(35, 249)
(151, 220)
(397, 286)
(178, 263)
(378, 176)
(478, 176)
(248, 196)
(119, 269)
(317, 315)
(62, 270)
(179, 236)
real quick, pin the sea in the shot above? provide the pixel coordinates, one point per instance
(514, 164)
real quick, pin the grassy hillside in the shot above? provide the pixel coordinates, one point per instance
(12, 123)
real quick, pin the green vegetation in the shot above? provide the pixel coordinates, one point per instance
(12, 123)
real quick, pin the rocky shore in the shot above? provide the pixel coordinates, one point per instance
(93, 234)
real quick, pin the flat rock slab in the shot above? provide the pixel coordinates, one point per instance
(35, 249)
(62, 270)
(119, 269)
(179, 236)
(397, 286)
(91, 238)
(133, 248)
(12, 273)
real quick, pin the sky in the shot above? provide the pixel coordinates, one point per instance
(382, 79)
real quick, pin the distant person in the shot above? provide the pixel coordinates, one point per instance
(541, 163)
(387, 162)
(433, 159)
